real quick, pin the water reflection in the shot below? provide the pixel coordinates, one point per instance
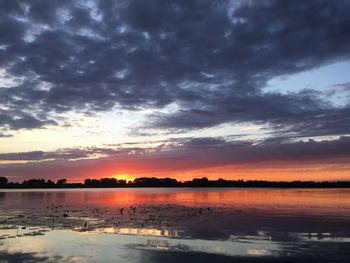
(69, 246)
(199, 213)
(203, 225)
(301, 199)
(140, 231)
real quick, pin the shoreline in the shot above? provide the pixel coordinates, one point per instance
(178, 187)
(155, 182)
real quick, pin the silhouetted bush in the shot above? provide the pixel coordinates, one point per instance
(35, 183)
(61, 182)
(3, 181)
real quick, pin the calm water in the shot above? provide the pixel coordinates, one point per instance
(171, 225)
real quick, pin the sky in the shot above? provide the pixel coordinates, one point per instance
(252, 90)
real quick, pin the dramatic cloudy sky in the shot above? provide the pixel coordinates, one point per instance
(127, 88)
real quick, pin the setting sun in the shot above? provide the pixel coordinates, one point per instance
(126, 177)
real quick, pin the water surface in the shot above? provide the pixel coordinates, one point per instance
(175, 224)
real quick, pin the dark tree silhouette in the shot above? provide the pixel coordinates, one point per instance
(155, 182)
(35, 183)
(92, 183)
(61, 182)
(3, 181)
(50, 183)
(169, 182)
(201, 182)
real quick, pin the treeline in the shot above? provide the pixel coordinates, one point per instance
(167, 182)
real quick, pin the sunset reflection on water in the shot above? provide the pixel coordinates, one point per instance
(221, 222)
(300, 200)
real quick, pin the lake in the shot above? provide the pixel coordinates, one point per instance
(175, 224)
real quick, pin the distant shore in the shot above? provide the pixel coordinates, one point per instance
(144, 182)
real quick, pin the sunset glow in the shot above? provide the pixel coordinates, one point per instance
(125, 177)
(85, 93)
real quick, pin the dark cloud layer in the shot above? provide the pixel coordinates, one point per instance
(210, 57)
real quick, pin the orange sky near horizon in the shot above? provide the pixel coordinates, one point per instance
(183, 167)
(280, 172)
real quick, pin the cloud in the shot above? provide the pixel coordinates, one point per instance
(3, 135)
(15, 120)
(212, 58)
(164, 157)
